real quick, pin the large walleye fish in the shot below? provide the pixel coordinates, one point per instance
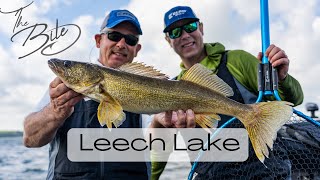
(136, 88)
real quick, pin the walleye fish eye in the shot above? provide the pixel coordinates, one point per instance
(67, 64)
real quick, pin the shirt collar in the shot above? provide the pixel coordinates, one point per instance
(211, 61)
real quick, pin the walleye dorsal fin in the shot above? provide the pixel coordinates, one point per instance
(143, 70)
(202, 76)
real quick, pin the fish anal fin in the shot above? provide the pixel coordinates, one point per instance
(202, 76)
(207, 120)
(143, 70)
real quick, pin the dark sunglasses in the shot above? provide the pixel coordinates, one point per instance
(117, 36)
(177, 32)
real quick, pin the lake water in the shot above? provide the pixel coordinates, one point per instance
(19, 162)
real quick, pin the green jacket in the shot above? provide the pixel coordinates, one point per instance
(243, 67)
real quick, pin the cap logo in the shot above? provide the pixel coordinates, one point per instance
(177, 13)
(127, 14)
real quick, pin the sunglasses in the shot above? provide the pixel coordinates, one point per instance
(117, 36)
(177, 32)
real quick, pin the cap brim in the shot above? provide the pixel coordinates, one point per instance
(168, 26)
(113, 24)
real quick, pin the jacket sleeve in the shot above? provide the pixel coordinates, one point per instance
(290, 90)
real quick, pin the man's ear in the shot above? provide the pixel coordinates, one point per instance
(168, 39)
(201, 28)
(97, 37)
(138, 48)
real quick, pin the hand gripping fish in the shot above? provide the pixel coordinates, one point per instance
(137, 88)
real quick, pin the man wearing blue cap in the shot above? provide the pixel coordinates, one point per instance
(238, 69)
(65, 109)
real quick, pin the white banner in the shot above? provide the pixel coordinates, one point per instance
(129, 144)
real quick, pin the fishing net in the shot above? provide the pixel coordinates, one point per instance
(301, 140)
(296, 155)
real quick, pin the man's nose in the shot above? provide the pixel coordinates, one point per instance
(121, 43)
(184, 34)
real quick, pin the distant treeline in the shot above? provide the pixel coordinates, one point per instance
(10, 133)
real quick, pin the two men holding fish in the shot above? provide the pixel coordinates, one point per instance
(138, 89)
(184, 33)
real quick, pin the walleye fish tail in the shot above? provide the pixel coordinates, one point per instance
(263, 123)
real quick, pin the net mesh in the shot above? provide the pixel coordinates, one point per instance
(296, 155)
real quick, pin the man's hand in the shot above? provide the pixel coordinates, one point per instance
(174, 119)
(41, 127)
(278, 59)
(62, 99)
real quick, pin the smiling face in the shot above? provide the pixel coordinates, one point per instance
(189, 46)
(114, 54)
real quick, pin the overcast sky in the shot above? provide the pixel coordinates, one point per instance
(294, 26)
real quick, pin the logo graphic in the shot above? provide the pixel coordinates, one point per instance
(177, 13)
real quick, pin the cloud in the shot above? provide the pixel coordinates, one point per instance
(294, 26)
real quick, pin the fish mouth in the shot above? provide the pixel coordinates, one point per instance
(54, 65)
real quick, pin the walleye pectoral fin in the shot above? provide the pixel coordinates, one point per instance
(207, 120)
(102, 114)
(110, 112)
(202, 76)
(143, 70)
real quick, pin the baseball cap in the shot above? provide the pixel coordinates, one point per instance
(178, 13)
(116, 17)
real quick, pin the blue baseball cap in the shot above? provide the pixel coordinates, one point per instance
(116, 17)
(178, 13)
